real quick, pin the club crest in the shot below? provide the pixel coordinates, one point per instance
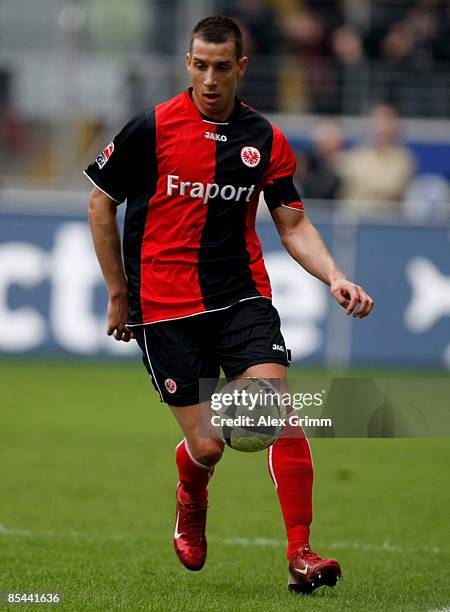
(250, 156)
(170, 385)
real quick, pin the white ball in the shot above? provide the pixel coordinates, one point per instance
(248, 414)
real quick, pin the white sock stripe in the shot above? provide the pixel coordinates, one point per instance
(193, 459)
(272, 471)
(310, 452)
(180, 443)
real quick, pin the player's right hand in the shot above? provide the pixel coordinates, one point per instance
(118, 317)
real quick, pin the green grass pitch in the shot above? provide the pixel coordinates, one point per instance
(87, 487)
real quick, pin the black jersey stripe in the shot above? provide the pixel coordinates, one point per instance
(145, 165)
(223, 260)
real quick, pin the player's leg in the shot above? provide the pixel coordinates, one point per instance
(290, 467)
(200, 450)
(175, 357)
(202, 442)
(254, 337)
(196, 456)
(252, 345)
(197, 453)
(291, 470)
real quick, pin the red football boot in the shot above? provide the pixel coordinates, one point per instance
(308, 571)
(189, 537)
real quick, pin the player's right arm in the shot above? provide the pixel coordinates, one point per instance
(106, 237)
(116, 173)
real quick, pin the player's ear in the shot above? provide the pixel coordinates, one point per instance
(188, 61)
(242, 66)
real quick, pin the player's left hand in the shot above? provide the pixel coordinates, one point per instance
(352, 297)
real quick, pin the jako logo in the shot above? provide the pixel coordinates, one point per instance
(209, 191)
(278, 347)
(213, 136)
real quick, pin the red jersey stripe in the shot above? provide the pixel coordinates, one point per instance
(174, 225)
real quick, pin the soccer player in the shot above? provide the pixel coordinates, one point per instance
(191, 286)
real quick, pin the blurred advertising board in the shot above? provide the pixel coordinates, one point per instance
(53, 302)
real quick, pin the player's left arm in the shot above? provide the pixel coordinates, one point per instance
(304, 243)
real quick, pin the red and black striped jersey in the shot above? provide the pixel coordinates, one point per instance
(192, 188)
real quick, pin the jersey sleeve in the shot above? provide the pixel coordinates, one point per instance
(279, 188)
(115, 169)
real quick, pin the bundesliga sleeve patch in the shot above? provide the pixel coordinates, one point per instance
(102, 159)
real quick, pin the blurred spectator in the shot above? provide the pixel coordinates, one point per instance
(383, 13)
(161, 20)
(375, 176)
(441, 47)
(317, 171)
(308, 26)
(351, 71)
(13, 137)
(348, 50)
(408, 75)
(114, 26)
(136, 86)
(262, 43)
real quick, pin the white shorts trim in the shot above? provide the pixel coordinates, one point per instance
(194, 314)
(151, 368)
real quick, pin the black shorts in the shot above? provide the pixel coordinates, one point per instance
(177, 354)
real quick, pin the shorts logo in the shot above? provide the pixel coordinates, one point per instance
(170, 385)
(250, 156)
(278, 347)
(105, 155)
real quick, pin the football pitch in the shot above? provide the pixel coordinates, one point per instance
(87, 507)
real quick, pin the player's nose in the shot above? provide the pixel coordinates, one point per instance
(210, 78)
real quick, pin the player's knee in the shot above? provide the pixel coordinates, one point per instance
(207, 451)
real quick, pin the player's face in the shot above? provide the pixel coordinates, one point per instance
(214, 71)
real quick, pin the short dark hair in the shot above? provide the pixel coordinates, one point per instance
(219, 29)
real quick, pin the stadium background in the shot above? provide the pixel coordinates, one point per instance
(83, 435)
